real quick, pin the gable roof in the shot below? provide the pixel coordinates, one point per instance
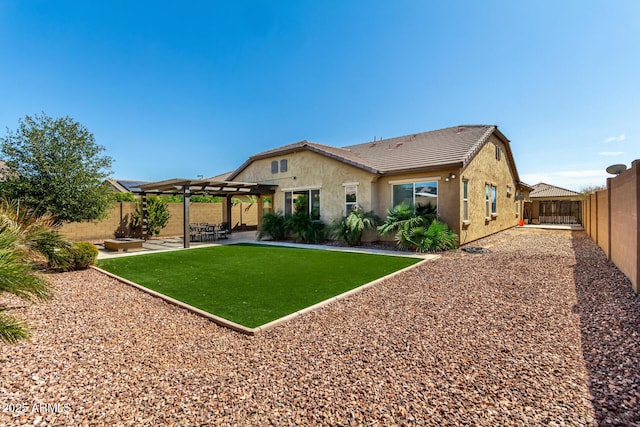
(127, 186)
(543, 190)
(444, 148)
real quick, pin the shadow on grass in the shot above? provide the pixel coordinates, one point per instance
(610, 327)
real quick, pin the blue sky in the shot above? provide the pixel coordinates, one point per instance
(181, 89)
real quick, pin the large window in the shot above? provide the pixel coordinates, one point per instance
(416, 194)
(465, 200)
(350, 197)
(308, 200)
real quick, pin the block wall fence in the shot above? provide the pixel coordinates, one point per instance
(611, 219)
(116, 224)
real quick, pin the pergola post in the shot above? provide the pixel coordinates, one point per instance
(228, 207)
(186, 231)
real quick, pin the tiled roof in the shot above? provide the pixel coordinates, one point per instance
(546, 191)
(455, 145)
(449, 147)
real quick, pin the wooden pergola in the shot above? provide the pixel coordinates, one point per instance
(188, 187)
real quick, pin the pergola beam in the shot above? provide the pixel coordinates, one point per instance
(188, 187)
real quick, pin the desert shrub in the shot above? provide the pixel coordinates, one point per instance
(81, 255)
(272, 225)
(351, 227)
(418, 230)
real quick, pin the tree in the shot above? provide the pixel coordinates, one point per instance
(55, 166)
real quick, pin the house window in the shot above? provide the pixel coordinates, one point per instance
(465, 200)
(416, 194)
(516, 203)
(498, 152)
(350, 198)
(274, 166)
(493, 200)
(308, 200)
(487, 201)
(283, 165)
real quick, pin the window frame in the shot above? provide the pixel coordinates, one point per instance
(349, 206)
(413, 182)
(465, 200)
(289, 201)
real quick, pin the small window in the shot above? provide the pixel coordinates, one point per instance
(498, 152)
(274, 166)
(350, 198)
(465, 200)
(283, 165)
(494, 201)
(487, 201)
(508, 191)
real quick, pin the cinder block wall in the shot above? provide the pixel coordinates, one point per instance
(613, 221)
(116, 224)
(625, 200)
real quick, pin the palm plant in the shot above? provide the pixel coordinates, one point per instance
(419, 230)
(25, 240)
(272, 225)
(351, 227)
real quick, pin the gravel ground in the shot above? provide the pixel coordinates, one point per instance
(541, 330)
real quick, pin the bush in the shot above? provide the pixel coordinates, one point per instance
(81, 256)
(351, 227)
(272, 225)
(412, 233)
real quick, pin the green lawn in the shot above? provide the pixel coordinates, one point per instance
(253, 284)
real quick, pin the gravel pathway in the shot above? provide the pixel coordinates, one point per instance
(541, 330)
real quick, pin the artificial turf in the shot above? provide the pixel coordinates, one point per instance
(253, 284)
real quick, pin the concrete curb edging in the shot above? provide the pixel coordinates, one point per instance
(267, 326)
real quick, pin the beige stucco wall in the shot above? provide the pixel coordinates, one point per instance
(308, 170)
(448, 194)
(484, 169)
(117, 220)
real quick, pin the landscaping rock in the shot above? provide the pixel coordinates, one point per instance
(541, 330)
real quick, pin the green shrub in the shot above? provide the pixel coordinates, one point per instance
(437, 237)
(411, 231)
(272, 225)
(124, 197)
(81, 256)
(351, 227)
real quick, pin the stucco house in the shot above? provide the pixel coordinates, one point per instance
(467, 172)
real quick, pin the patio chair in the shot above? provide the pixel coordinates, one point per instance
(222, 231)
(210, 232)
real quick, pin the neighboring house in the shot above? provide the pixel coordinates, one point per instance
(555, 205)
(467, 172)
(126, 186)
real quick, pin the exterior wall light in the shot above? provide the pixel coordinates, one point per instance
(450, 177)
